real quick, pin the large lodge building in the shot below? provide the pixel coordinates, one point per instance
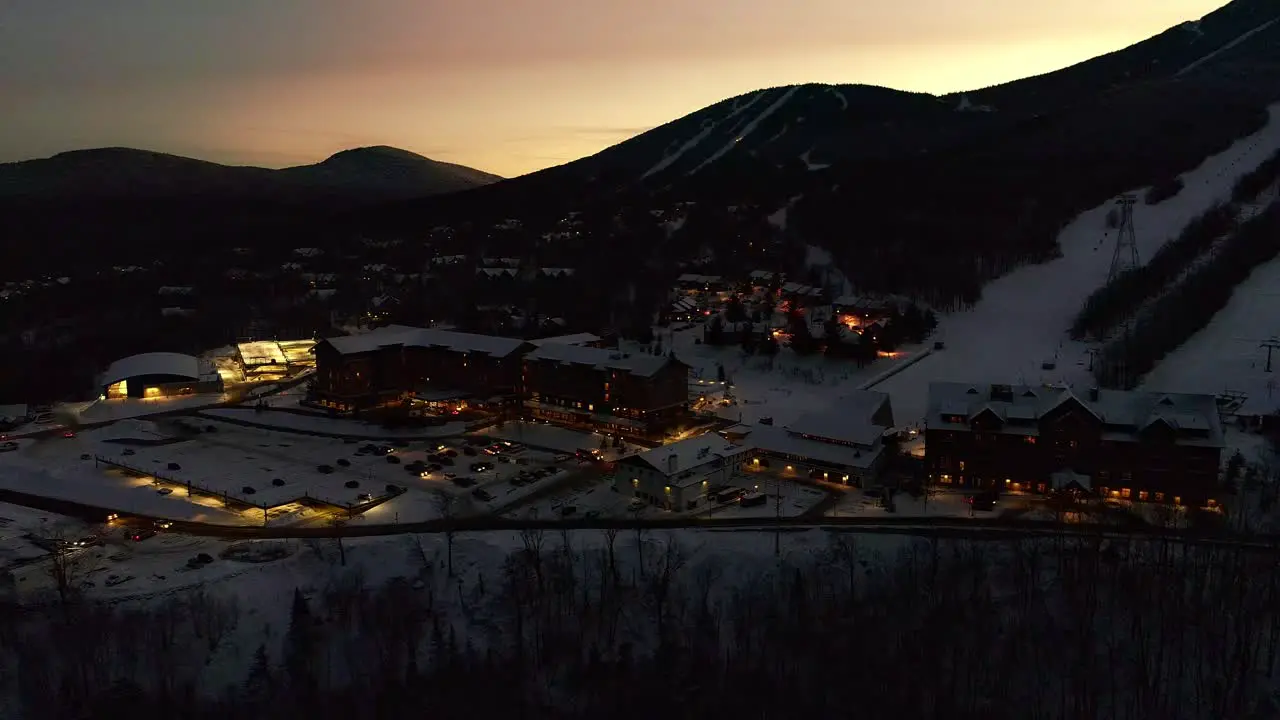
(564, 380)
(1153, 447)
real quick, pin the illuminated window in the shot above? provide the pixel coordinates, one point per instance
(1030, 440)
(1142, 495)
(1177, 499)
(961, 466)
(1159, 497)
(1125, 493)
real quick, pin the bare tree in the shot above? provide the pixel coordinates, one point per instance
(444, 504)
(66, 566)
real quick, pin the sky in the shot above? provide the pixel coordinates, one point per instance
(506, 86)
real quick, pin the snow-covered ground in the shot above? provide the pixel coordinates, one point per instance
(328, 425)
(1022, 319)
(857, 503)
(552, 437)
(140, 573)
(235, 457)
(784, 387)
(1227, 355)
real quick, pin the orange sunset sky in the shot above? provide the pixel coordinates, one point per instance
(504, 86)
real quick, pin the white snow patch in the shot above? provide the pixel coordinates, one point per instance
(1022, 319)
(844, 101)
(779, 217)
(812, 165)
(1226, 47)
(748, 129)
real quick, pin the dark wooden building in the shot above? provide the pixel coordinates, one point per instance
(632, 394)
(1151, 447)
(390, 364)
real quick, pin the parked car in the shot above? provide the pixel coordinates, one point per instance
(482, 495)
(140, 535)
(469, 451)
(393, 459)
(164, 491)
(343, 462)
(324, 469)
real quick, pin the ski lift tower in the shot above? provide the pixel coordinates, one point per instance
(1125, 255)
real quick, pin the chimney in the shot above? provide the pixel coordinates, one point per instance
(671, 464)
(1093, 394)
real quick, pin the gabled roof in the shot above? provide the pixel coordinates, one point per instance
(685, 455)
(424, 338)
(1194, 416)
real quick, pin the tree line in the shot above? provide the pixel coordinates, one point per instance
(644, 625)
(1189, 306)
(1110, 305)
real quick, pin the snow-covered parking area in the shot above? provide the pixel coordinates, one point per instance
(315, 423)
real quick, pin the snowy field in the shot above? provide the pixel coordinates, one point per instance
(854, 502)
(1022, 319)
(330, 426)
(784, 387)
(595, 497)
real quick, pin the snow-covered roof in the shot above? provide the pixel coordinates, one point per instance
(1123, 414)
(698, 279)
(850, 420)
(778, 441)
(575, 339)
(424, 337)
(687, 455)
(157, 363)
(641, 365)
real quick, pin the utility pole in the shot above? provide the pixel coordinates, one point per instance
(1270, 344)
(777, 516)
(1125, 255)
(1094, 354)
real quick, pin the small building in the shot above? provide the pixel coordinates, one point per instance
(156, 375)
(761, 279)
(706, 283)
(678, 476)
(844, 443)
(1144, 446)
(686, 310)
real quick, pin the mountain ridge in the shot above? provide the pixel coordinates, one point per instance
(377, 172)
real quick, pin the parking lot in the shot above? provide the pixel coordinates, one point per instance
(262, 468)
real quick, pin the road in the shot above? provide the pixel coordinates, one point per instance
(984, 528)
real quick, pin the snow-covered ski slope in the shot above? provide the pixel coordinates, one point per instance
(1227, 355)
(1022, 319)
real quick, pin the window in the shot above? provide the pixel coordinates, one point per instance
(1125, 493)
(1142, 495)
(961, 466)
(1159, 497)
(1030, 440)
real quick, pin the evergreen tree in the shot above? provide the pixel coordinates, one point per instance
(714, 334)
(802, 341)
(749, 338)
(300, 647)
(258, 685)
(734, 311)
